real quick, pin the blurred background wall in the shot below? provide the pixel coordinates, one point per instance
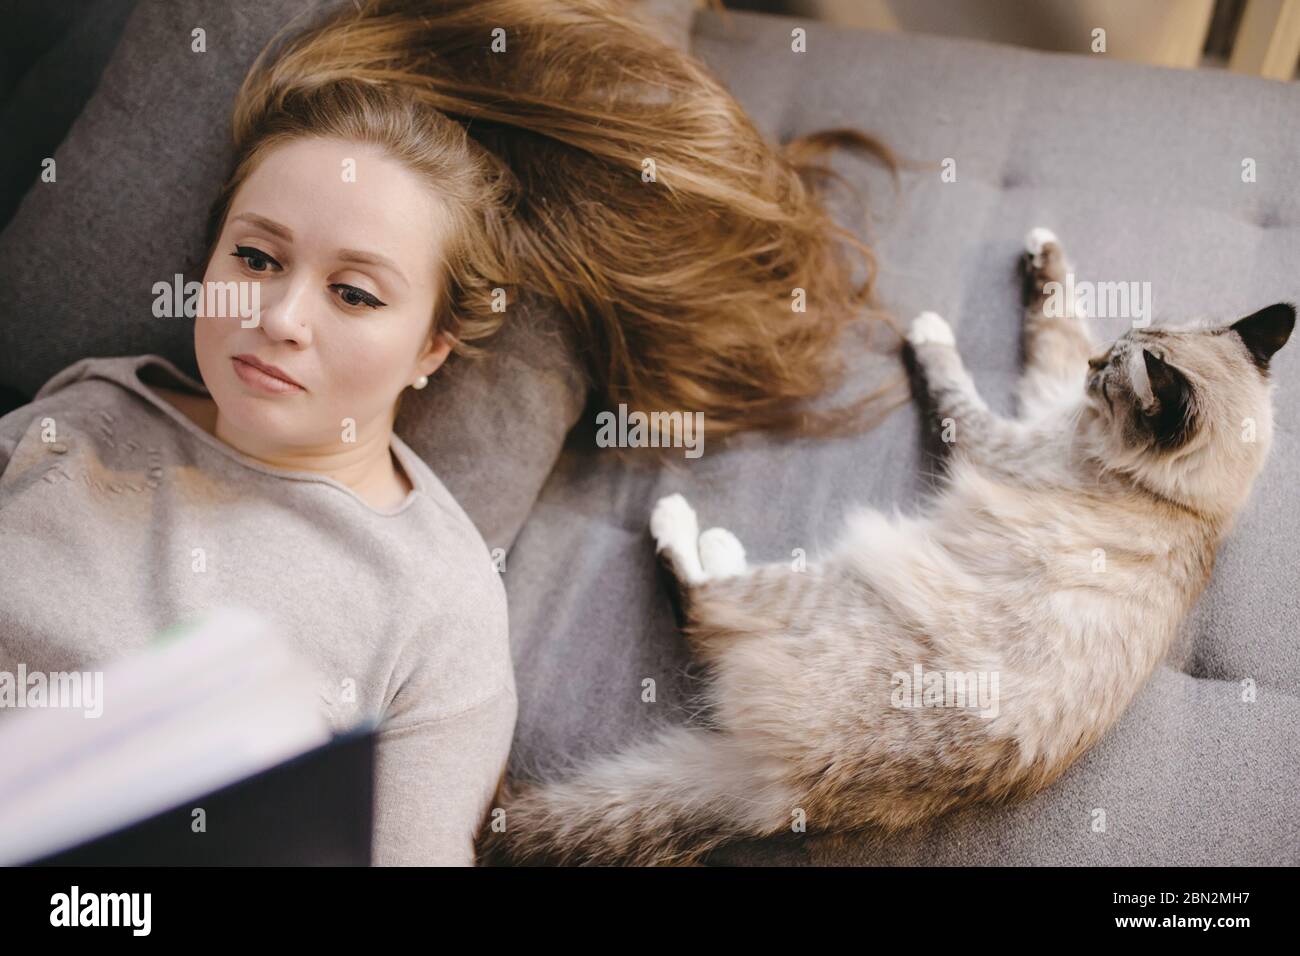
(1249, 36)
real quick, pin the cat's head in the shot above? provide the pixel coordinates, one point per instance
(1188, 411)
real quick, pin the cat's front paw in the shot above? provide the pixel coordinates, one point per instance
(929, 328)
(1036, 243)
(1045, 268)
(1043, 261)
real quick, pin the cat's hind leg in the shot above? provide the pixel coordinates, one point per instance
(711, 574)
(694, 558)
(1056, 336)
(722, 554)
(676, 531)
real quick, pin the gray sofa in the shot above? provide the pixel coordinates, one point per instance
(1139, 171)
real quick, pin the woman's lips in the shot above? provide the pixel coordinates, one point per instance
(254, 377)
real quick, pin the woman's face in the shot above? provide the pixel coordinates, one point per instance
(343, 244)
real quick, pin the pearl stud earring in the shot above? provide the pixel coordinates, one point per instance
(422, 381)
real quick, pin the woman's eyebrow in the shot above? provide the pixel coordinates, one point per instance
(270, 225)
(345, 255)
(373, 258)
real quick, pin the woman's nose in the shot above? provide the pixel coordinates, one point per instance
(286, 314)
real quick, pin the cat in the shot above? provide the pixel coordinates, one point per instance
(1051, 573)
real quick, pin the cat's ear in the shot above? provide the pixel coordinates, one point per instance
(1166, 401)
(1266, 331)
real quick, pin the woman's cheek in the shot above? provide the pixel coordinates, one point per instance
(357, 392)
(368, 365)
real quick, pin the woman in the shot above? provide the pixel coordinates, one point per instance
(401, 170)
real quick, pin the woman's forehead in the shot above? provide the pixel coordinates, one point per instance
(326, 195)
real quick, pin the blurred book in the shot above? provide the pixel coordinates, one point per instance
(208, 746)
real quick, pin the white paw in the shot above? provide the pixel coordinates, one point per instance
(1037, 239)
(676, 532)
(673, 523)
(721, 553)
(930, 328)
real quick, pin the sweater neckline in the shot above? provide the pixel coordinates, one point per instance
(399, 448)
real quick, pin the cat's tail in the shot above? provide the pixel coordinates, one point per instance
(665, 802)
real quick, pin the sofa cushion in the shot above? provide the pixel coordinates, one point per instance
(51, 58)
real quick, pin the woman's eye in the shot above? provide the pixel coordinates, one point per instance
(356, 297)
(252, 257)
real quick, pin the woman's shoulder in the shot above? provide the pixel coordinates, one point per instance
(86, 369)
(458, 578)
(446, 504)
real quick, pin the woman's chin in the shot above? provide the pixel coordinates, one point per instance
(253, 415)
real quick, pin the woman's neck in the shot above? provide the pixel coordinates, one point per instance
(368, 466)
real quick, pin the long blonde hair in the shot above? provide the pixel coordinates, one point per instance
(598, 168)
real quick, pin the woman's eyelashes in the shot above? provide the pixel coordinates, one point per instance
(257, 261)
(357, 297)
(248, 254)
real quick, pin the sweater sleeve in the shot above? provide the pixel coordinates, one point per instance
(435, 780)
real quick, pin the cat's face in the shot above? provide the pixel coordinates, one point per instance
(1189, 410)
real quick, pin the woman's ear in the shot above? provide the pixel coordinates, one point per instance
(435, 353)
